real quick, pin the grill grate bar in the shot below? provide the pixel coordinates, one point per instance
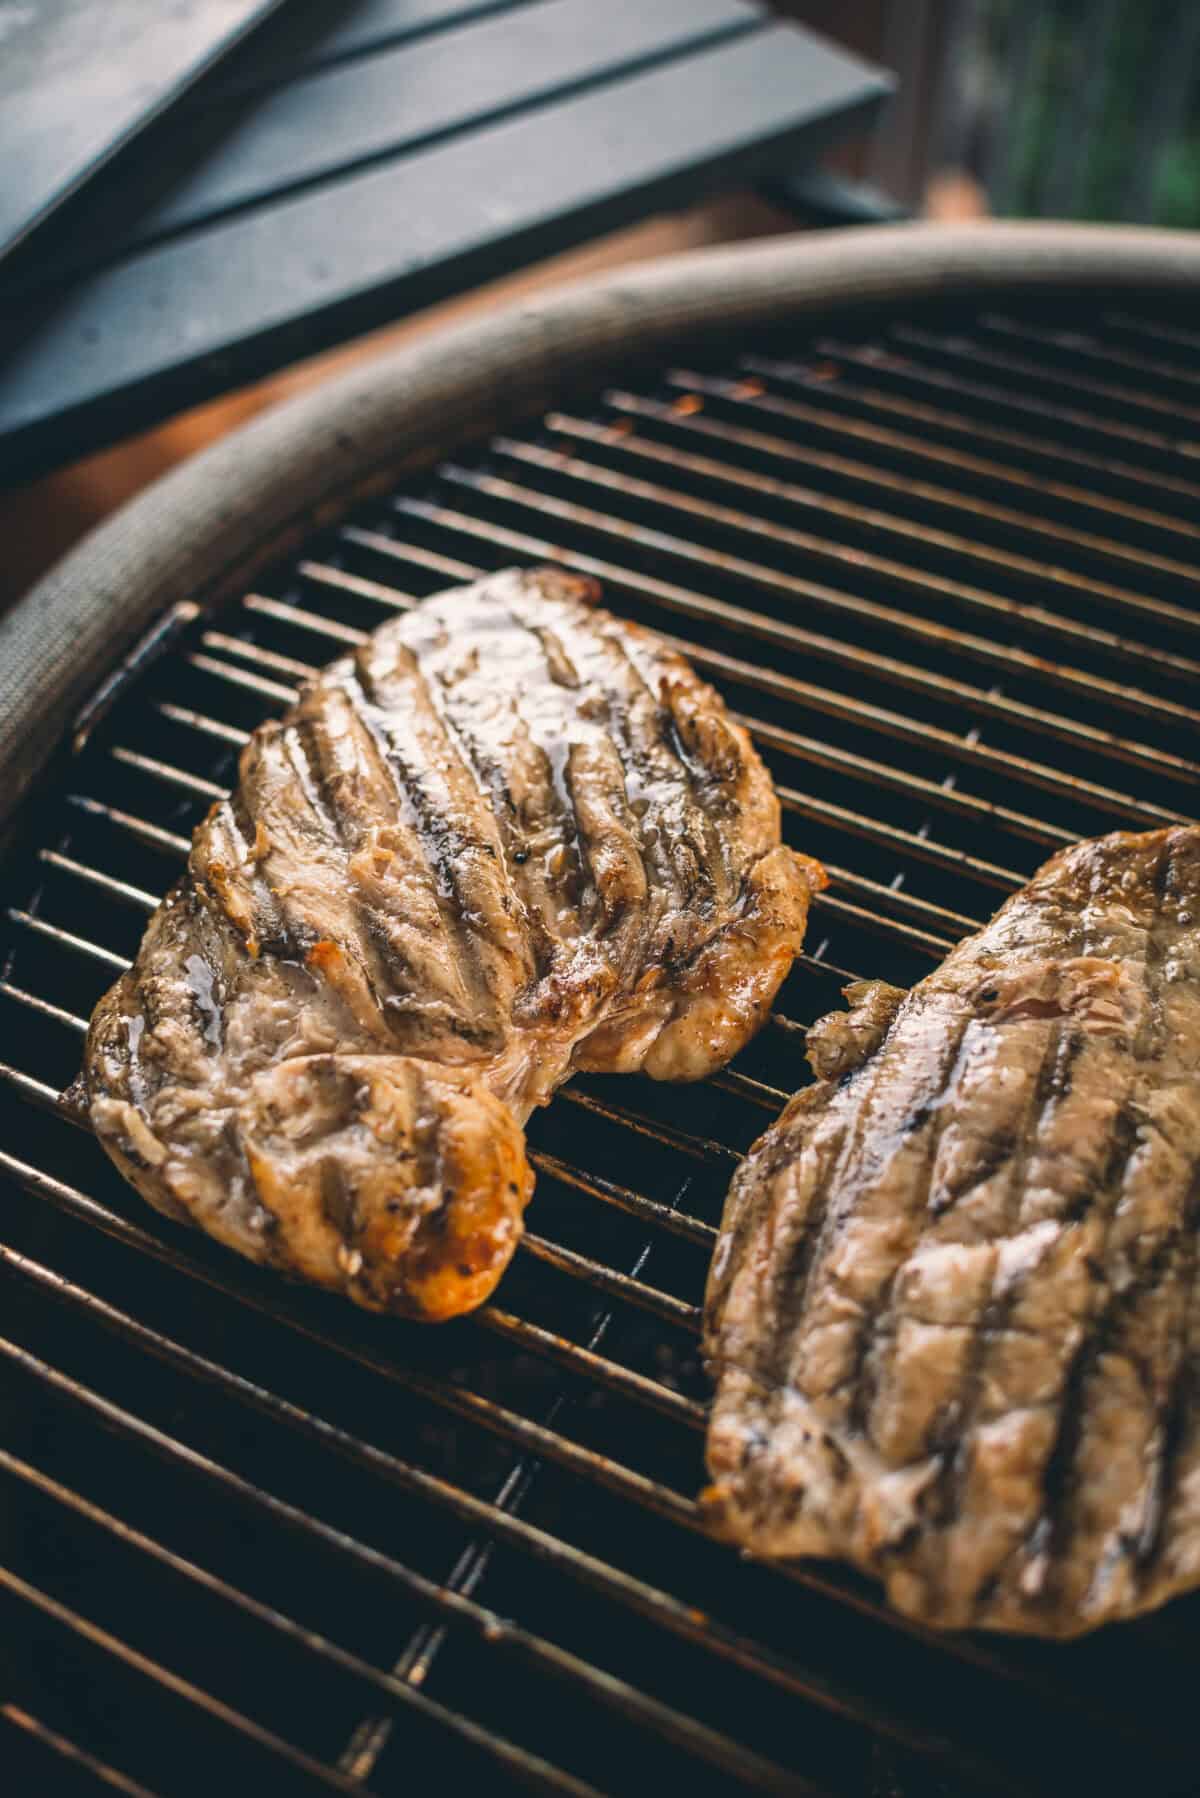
(35, 1090)
(1155, 330)
(66, 939)
(758, 1092)
(956, 349)
(650, 1602)
(432, 561)
(287, 613)
(124, 1422)
(1076, 347)
(393, 597)
(907, 842)
(687, 1142)
(617, 1285)
(1004, 613)
(472, 1564)
(122, 890)
(965, 423)
(209, 727)
(770, 580)
(1064, 421)
(826, 755)
(257, 684)
(629, 1383)
(498, 1633)
(151, 1670)
(925, 942)
(702, 1148)
(580, 1267)
(750, 396)
(810, 806)
(624, 1482)
(790, 637)
(624, 1381)
(255, 652)
(151, 834)
(967, 750)
(507, 1753)
(679, 1223)
(608, 1191)
(833, 704)
(163, 771)
(935, 793)
(67, 1750)
(43, 1007)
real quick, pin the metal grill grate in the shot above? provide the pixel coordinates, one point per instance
(948, 574)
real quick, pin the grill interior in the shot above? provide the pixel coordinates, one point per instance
(948, 572)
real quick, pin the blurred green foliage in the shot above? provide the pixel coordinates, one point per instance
(1177, 186)
(1125, 75)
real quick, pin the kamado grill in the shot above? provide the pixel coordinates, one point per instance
(925, 507)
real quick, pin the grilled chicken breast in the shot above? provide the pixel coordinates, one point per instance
(954, 1312)
(510, 837)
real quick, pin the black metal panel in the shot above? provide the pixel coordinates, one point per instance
(78, 80)
(235, 299)
(224, 158)
(317, 34)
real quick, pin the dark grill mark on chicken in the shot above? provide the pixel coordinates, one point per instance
(954, 1312)
(509, 837)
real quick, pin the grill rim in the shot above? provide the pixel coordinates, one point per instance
(209, 525)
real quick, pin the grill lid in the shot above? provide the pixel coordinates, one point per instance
(947, 571)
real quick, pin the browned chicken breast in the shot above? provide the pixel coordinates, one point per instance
(954, 1312)
(509, 838)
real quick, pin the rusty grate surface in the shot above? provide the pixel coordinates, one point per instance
(949, 574)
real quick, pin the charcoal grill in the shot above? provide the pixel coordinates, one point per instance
(925, 507)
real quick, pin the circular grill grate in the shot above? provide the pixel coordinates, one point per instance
(948, 573)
